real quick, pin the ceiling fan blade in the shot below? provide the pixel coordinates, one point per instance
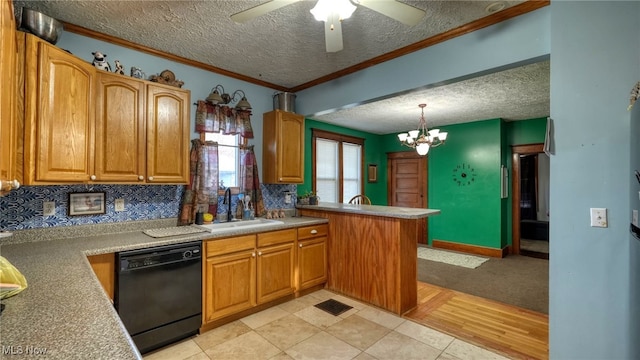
(254, 12)
(333, 33)
(404, 13)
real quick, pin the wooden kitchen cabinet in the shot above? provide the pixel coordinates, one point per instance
(120, 129)
(8, 58)
(229, 276)
(245, 271)
(59, 115)
(85, 125)
(312, 256)
(168, 132)
(104, 266)
(283, 148)
(275, 268)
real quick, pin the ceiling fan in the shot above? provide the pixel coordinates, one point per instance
(332, 12)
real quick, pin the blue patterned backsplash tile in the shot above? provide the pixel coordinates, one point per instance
(22, 208)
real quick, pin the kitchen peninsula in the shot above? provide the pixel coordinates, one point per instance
(372, 251)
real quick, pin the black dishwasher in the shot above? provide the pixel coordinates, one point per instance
(158, 293)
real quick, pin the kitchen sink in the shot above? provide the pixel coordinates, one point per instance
(239, 225)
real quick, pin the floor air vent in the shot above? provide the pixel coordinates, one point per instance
(333, 307)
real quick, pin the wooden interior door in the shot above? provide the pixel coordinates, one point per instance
(407, 185)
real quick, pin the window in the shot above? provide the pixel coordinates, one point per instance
(337, 166)
(228, 157)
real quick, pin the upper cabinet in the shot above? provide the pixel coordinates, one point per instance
(87, 125)
(8, 58)
(283, 148)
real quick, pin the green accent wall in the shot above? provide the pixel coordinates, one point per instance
(472, 214)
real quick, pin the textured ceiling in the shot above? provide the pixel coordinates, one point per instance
(286, 48)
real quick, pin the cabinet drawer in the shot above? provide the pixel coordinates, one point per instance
(230, 245)
(312, 231)
(276, 237)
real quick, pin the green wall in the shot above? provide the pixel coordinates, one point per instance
(471, 214)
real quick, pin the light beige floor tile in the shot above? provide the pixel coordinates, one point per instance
(221, 334)
(256, 320)
(464, 350)
(358, 332)
(364, 356)
(317, 317)
(322, 295)
(178, 351)
(287, 331)
(445, 356)
(322, 346)
(249, 346)
(300, 303)
(198, 356)
(426, 335)
(397, 346)
(281, 356)
(380, 317)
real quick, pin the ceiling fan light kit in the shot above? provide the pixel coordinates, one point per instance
(422, 139)
(332, 12)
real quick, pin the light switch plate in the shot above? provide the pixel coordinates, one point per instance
(599, 217)
(119, 205)
(48, 208)
(287, 198)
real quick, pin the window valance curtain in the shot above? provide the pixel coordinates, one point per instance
(221, 118)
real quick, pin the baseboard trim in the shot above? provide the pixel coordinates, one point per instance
(471, 249)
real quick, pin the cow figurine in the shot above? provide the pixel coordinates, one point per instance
(119, 68)
(100, 62)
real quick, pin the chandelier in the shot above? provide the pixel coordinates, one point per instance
(423, 139)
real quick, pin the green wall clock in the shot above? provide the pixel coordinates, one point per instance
(464, 174)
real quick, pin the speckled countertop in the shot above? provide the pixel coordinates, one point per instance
(375, 210)
(64, 312)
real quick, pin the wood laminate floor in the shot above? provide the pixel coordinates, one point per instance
(515, 332)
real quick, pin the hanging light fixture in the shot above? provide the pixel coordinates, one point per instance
(423, 139)
(219, 96)
(324, 9)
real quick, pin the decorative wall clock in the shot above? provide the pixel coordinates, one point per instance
(464, 174)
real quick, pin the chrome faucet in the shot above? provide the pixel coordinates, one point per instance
(227, 201)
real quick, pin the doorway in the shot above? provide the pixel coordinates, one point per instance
(407, 185)
(530, 201)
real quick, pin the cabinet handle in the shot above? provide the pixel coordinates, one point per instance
(253, 254)
(314, 231)
(299, 245)
(140, 177)
(92, 177)
(150, 178)
(259, 253)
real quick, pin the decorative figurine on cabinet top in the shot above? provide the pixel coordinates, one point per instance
(100, 62)
(137, 73)
(119, 68)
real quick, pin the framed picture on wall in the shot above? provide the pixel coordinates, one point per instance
(372, 173)
(86, 203)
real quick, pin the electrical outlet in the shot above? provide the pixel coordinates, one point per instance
(634, 217)
(599, 217)
(287, 198)
(119, 204)
(48, 208)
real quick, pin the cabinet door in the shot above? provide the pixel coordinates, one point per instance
(283, 147)
(312, 262)
(7, 101)
(104, 266)
(275, 272)
(60, 116)
(167, 135)
(230, 284)
(120, 129)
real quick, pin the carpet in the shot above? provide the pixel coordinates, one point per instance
(451, 258)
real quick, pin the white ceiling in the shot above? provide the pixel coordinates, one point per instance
(286, 48)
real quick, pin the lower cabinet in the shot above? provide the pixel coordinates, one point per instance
(245, 271)
(312, 256)
(104, 266)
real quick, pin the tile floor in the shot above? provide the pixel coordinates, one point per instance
(298, 330)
